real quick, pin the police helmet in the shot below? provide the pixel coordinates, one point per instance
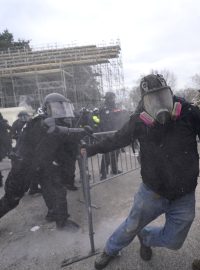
(110, 95)
(57, 106)
(95, 110)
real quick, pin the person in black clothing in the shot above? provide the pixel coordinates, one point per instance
(40, 149)
(166, 127)
(16, 129)
(111, 119)
(23, 118)
(84, 117)
(5, 142)
(69, 157)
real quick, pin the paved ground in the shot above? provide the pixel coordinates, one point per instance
(22, 248)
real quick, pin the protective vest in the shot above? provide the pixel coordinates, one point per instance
(96, 120)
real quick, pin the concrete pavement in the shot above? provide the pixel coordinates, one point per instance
(46, 248)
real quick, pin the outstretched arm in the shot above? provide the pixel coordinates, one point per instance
(121, 138)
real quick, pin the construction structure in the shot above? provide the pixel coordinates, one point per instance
(81, 73)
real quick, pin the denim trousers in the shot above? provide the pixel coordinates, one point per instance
(147, 206)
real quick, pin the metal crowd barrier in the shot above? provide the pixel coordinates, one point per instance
(122, 160)
(103, 167)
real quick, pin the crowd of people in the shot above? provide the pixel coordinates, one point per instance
(166, 128)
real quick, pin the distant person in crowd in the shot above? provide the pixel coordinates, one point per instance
(22, 118)
(111, 119)
(5, 142)
(84, 117)
(166, 127)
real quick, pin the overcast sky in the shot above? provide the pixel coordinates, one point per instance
(154, 34)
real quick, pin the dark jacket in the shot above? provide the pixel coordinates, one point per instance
(5, 138)
(41, 149)
(112, 118)
(169, 156)
(17, 128)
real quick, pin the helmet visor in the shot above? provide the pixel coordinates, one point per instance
(60, 109)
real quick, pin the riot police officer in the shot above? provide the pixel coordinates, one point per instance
(40, 149)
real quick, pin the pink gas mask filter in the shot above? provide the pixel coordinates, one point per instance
(150, 121)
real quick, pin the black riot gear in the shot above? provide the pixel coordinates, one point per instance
(48, 150)
(110, 99)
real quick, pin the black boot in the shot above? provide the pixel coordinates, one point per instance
(7, 204)
(68, 225)
(103, 177)
(50, 217)
(103, 260)
(145, 251)
(117, 172)
(196, 265)
(72, 187)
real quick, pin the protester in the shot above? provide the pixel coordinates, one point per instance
(166, 127)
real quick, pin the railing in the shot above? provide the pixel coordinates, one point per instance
(122, 160)
(103, 167)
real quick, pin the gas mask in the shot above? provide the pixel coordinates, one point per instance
(159, 104)
(157, 100)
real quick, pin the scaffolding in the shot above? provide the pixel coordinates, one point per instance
(81, 73)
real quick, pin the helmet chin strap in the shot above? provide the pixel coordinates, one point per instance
(150, 121)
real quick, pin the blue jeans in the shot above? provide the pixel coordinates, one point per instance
(148, 205)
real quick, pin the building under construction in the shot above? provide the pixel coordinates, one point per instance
(81, 73)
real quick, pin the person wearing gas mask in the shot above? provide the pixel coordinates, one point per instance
(166, 127)
(40, 149)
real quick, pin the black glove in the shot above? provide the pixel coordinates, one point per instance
(70, 131)
(50, 124)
